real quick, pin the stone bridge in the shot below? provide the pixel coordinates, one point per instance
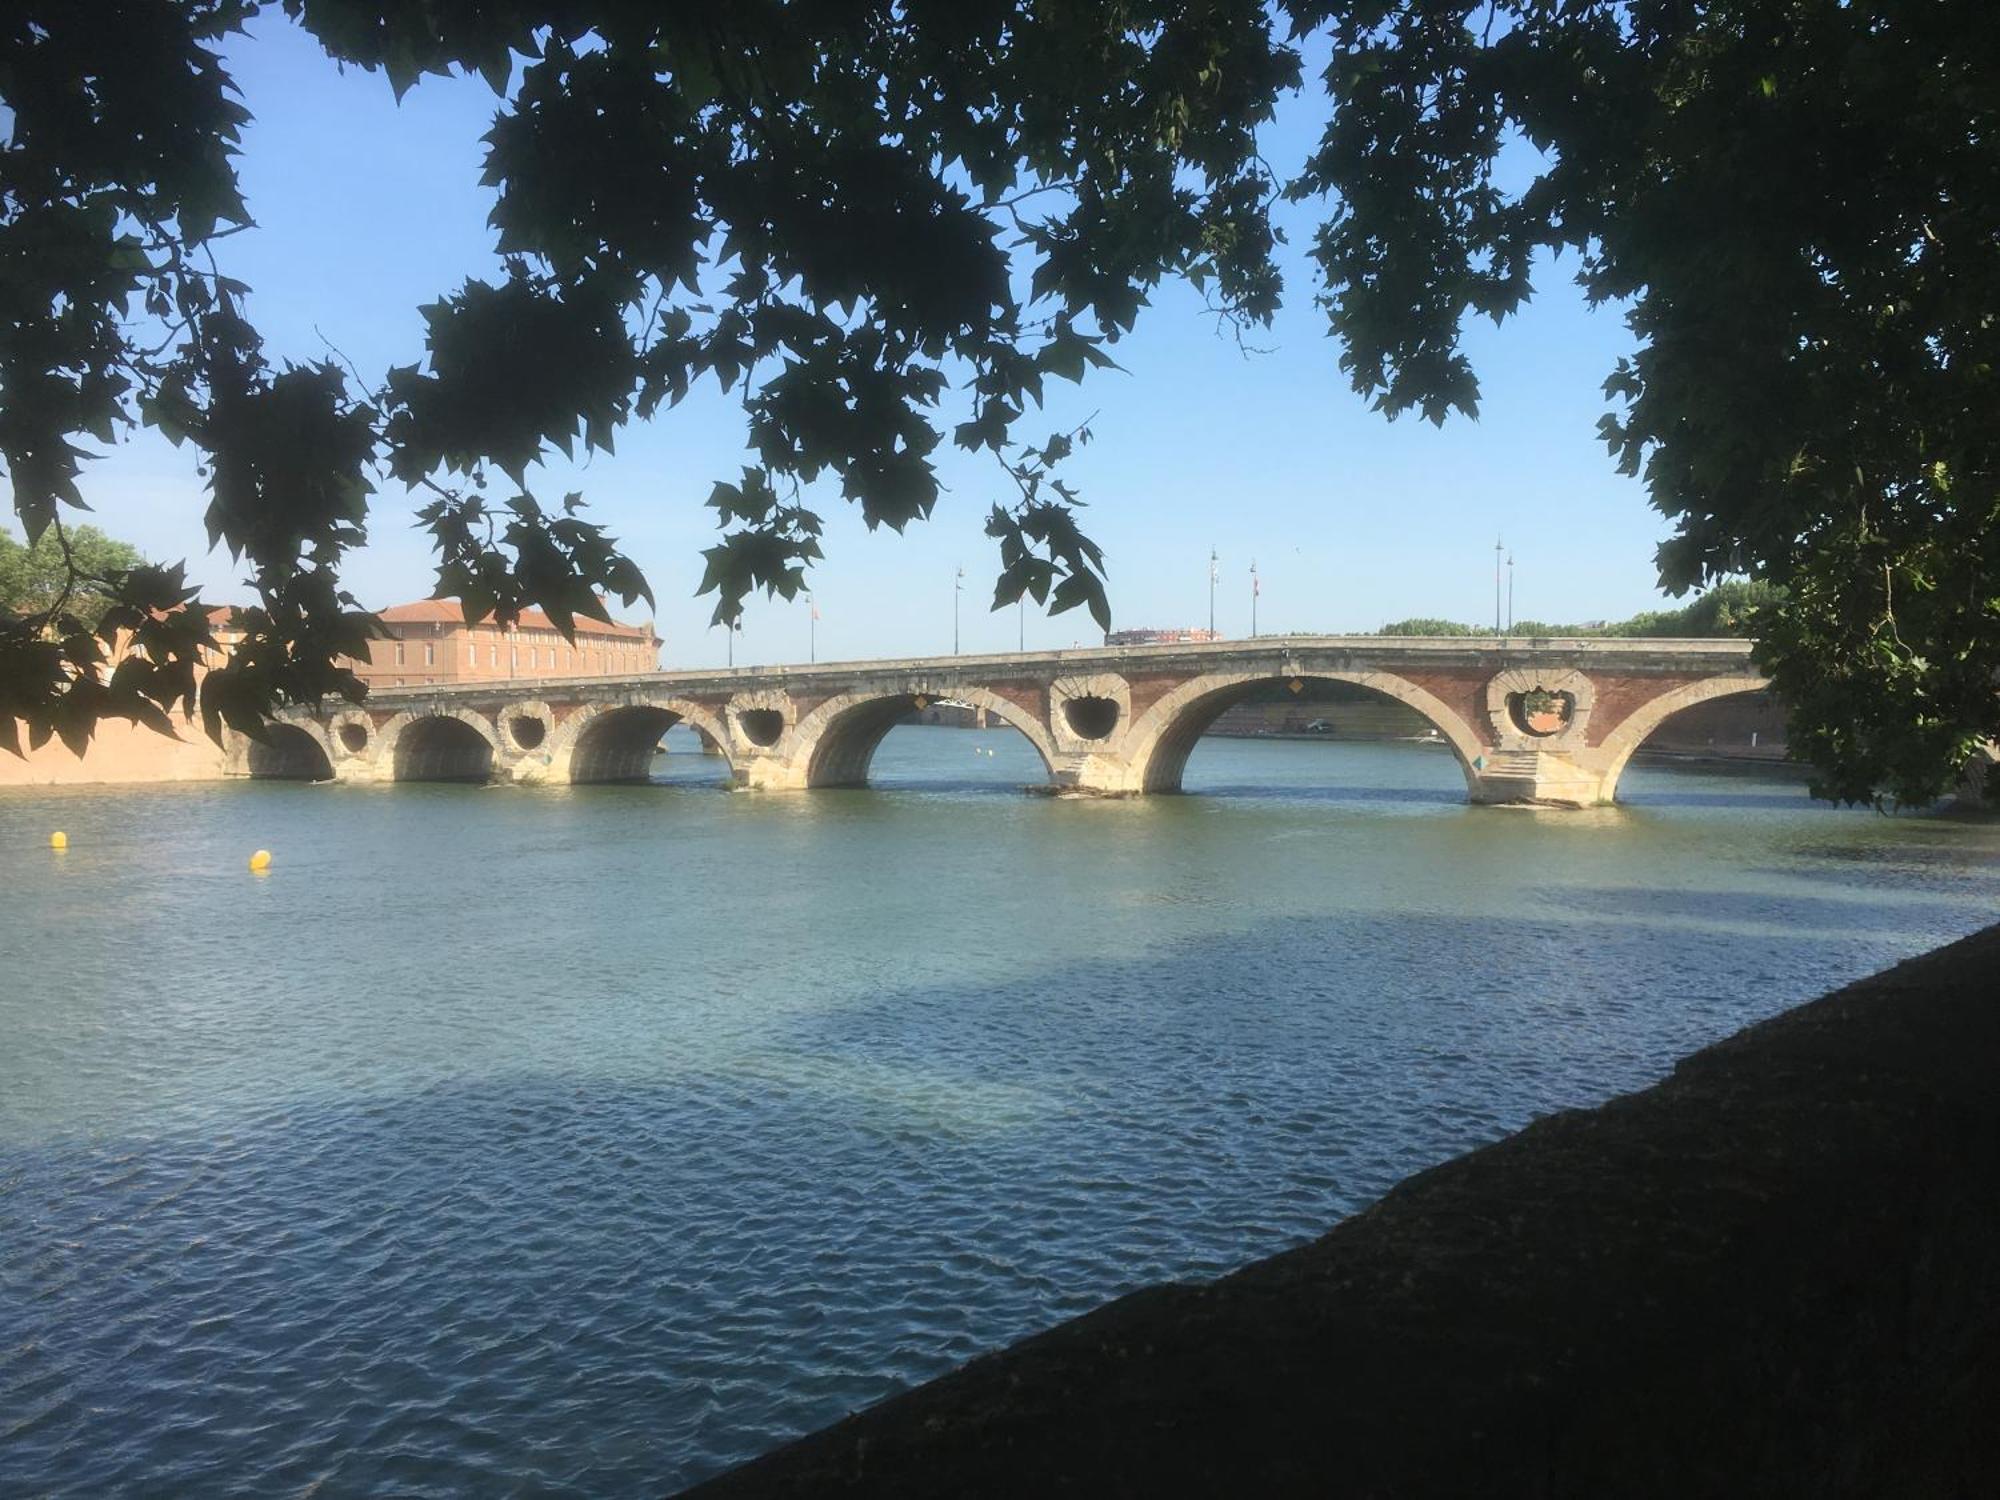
(1543, 721)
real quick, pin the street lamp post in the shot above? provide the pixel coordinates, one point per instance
(1498, 549)
(1256, 587)
(1021, 613)
(1212, 562)
(812, 629)
(1510, 593)
(957, 588)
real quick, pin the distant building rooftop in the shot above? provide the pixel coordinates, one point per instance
(428, 643)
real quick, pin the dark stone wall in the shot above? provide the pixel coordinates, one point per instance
(1776, 1273)
(289, 754)
(441, 749)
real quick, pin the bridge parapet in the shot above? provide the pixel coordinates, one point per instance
(1550, 721)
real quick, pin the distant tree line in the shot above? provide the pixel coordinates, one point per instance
(1728, 609)
(35, 580)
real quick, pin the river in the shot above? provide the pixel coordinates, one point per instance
(584, 1141)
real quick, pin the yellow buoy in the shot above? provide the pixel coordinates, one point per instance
(261, 861)
(58, 841)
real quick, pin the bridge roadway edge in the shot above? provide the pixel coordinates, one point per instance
(1775, 1272)
(792, 727)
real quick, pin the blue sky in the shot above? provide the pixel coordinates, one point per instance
(367, 208)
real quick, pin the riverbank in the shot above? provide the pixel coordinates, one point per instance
(1776, 1272)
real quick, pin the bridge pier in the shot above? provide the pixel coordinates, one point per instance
(1088, 774)
(768, 773)
(1536, 778)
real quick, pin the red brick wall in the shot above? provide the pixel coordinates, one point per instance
(1618, 698)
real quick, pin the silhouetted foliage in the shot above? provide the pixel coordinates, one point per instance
(882, 224)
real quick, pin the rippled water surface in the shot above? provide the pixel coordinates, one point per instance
(584, 1141)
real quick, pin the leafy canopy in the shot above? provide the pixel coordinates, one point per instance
(883, 226)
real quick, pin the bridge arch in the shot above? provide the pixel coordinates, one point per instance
(1618, 747)
(612, 742)
(291, 752)
(438, 744)
(833, 744)
(1160, 740)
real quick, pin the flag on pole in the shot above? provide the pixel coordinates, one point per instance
(815, 608)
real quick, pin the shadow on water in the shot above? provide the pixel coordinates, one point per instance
(1746, 786)
(1775, 909)
(1710, 797)
(599, 1283)
(1328, 792)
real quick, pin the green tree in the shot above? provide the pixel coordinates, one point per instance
(890, 223)
(1429, 627)
(1731, 608)
(32, 579)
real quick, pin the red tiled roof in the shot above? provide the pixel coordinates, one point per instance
(451, 612)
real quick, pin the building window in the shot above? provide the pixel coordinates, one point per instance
(493, 656)
(513, 658)
(399, 657)
(430, 655)
(472, 656)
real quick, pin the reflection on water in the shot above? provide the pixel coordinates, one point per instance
(585, 1140)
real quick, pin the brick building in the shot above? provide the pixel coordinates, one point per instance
(429, 642)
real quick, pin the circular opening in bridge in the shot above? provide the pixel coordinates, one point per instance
(1091, 718)
(527, 731)
(762, 726)
(353, 738)
(1540, 712)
